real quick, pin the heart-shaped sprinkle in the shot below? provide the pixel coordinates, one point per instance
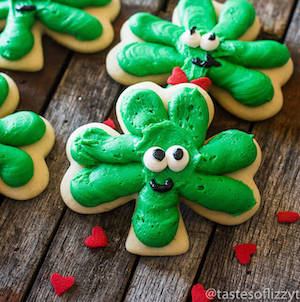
(98, 238)
(287, 217)
(60, 283)
(199, 294)
(178, 77)
(204, 82)
(244, 251)
(110, 123)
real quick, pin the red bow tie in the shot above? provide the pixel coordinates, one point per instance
(178, 77)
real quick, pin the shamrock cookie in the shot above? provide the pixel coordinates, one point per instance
(81, 25)
(25, 141)
(9, 95)
(161, 159)
(207, 39)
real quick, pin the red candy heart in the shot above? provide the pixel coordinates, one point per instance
(199, 294)
(244, 251)
(60, 283)
(287, 217)
(204, 83)
(110, 123)
(178, 76)
(98, 238)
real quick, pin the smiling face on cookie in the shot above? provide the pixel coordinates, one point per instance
(206, 42)
(169, 160)
(162, 156)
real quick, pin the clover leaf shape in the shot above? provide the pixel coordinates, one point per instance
(82, 25)
(163, 156)
(25, 140)
(203, 41)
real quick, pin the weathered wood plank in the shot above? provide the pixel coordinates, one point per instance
(85, 94)
(163, 279)
(149, 5)
(101, 274)
(35, 87)
(26, 227)
(276, 263)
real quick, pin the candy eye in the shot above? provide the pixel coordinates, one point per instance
(191, 38)
(155, 159)
(209, 42)
(178, 158)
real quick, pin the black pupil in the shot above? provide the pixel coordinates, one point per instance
(212, 37)
(193, 30)
(159, 154)
(178, 154)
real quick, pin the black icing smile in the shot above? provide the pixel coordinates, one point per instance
(209, 62)
(162, 188)
(25, 8)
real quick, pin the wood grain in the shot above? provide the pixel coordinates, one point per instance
(276, 263)
(35, 87)
(167, 278)
(40, 236)
(85, 94)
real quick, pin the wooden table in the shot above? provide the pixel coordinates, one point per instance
(41, 236)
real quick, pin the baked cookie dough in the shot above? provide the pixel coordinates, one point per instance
(25, 141)
(207, 39)
(161, 159)
(81, 25)
(9, 95)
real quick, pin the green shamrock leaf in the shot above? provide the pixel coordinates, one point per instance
(163, 157)
(57, 16)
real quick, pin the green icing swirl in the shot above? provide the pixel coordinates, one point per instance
(65, 17)
(4, 90)
(84, 3)
(69, 20)
(18, 129)
(200, 13)
(17, 40)
(164, 49)
(235, 18)
(115, 166)
(156, 217)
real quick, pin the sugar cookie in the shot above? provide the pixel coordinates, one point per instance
(81, 25)
(25, 140)
(162, 158)
(207, 39)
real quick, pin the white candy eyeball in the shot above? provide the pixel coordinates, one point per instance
(191, 38)
(178, 158)
(155, 159)
(209, 42)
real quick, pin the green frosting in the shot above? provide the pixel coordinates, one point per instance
(66, 17)
(163, 49)
(118, 166)
(4, 89)
(16, 130)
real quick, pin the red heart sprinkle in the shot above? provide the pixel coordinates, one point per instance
(287, 217)
(110, 123)
(60, 283)
(178, 77)
(244, 251)
(199, 294)
(98, 238)
(204, 83)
